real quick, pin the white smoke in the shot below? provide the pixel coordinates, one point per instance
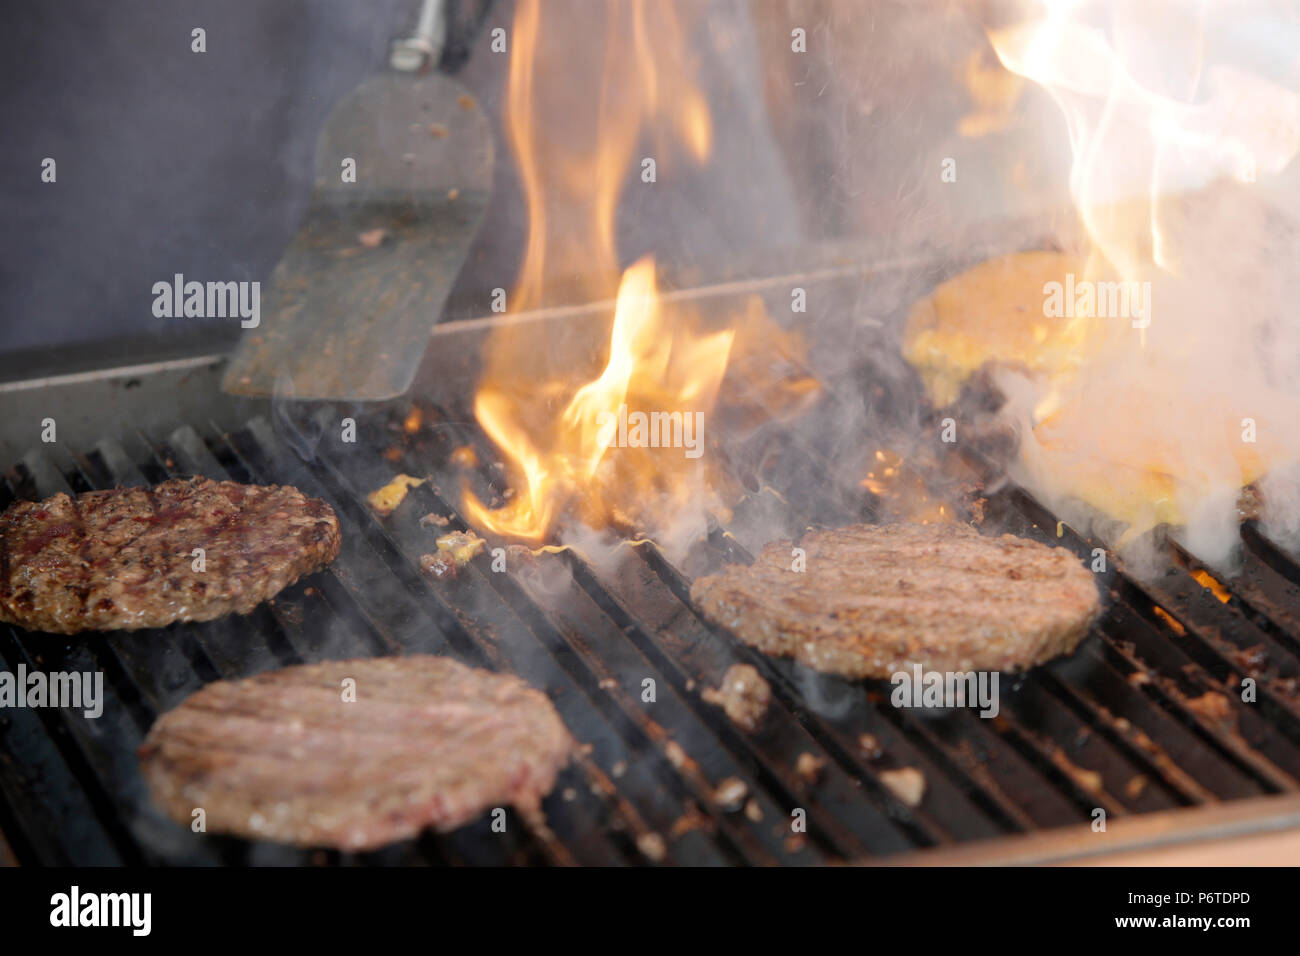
(1184, 122)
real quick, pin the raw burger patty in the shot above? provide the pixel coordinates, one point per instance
(875, 600)
(123, 559)
(428, 742)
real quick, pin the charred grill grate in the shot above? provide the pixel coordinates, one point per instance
(1124, 724)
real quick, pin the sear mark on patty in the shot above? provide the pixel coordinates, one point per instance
(875, 600)
(426, 742)
(124, 559)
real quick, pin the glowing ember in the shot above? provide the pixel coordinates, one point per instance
(1208, 581)
(1169, 619)
(904, 493)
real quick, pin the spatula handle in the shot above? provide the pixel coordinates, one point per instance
(409, 55)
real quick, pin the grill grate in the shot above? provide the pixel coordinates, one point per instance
(1122, 724)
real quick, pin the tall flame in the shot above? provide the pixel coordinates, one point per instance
(574, 122)
(1135, 145)
(654, 363)
(573, 133)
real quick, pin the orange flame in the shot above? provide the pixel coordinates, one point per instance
(573, 149)
(657, 368)
(903, 491)
(597, 458)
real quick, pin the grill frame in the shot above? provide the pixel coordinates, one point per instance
(70, 793)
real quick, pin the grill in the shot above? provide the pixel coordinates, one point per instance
(1144, 720)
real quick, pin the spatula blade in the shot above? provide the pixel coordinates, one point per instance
(352, 303)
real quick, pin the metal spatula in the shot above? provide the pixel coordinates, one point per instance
(351, 305)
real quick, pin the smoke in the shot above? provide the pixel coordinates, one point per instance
(1183, 143)
(1280, 490)
(1180, 128)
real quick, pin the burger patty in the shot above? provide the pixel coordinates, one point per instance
(876, 600)
(127, 559)
(286, 756)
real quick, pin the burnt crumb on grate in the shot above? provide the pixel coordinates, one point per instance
(456, 549)
(906, 783)
(743, 696)
(730, 794)
(809, 767)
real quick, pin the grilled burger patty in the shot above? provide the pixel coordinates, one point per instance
(427, 742)
(875, 600)
(125, 558)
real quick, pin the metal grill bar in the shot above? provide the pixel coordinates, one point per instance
(516, 643)
(1125, 753)
(1141, 644)
(571, 630)
(1086, 789)
(967, 819)
(966, 822)
(1119, 725)
(99, 753)
(910, 741)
